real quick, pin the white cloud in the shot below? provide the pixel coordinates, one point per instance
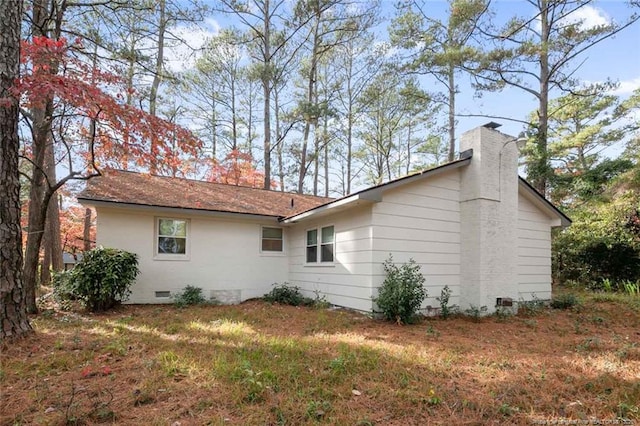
(182, 55)
(626, 87)
(588, 16)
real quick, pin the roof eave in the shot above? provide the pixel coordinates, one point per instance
(374, 193)
(335, 206)
(173, 210)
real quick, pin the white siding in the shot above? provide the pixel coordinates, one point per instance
(224, 256)
(421, 221)
(534, 251)
(346, 281)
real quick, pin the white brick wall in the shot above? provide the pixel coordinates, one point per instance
(488, 214)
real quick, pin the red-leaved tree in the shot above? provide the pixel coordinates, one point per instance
(72, 229)
(237, 169)
(79, 110)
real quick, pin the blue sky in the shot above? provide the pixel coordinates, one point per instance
(617, 59)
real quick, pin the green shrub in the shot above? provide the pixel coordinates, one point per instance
(531, 307)
(565, 301)
(286, 294)
(602, 246)
(62, 286)
(445, 310)
(101, 279)
(402, 291)
(189, 296)
(476, 312)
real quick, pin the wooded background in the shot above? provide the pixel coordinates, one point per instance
(319, 97)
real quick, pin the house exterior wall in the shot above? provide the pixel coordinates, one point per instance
(421, 221)
(224, 257)
(534, 252)
(347, 280)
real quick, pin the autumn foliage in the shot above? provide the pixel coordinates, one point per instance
(72, 228)
(95, 125)
(237, 169)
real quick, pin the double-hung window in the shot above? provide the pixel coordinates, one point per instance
(171, 237)
(272, 240)
(321, 245)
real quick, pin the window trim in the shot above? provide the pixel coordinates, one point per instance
(156, 235)
(319, 245)
(271, 252)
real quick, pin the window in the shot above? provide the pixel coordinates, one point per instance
(326, 250)
(272, 239)
(324, 239)
(172, 236)
(312, 245)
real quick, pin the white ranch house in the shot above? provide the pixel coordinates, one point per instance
(471, 224)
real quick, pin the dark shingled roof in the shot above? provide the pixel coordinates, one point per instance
(117, 186)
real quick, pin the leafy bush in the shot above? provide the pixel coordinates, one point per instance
(62, 286)
(445, 310)
(564, 301)
(602, 246)
(101, 279)
(402, 291)
(286, 294)
(189, 296)
(476, 312)
(531, 307)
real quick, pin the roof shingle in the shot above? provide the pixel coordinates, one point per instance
(117, 186)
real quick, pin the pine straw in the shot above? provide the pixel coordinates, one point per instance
(261, 364)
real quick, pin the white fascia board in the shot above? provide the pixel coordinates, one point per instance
(367, 197)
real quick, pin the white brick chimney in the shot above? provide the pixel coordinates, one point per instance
(489, 214)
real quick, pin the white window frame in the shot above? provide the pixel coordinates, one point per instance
(271, 252)
(171, 256)
(319, 245)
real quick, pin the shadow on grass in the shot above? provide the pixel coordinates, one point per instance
(272, 364)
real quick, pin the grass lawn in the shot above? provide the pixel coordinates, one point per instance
(267, 364)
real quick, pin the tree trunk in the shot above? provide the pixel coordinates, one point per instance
(408, 167)
(13, 309)
(86, 232)
(279, 137)
(266, 88)
(316, 158)
(157, 79)
(37, 217)
(129, 81)
(311, 84)
(53, 245)
(45, 266)
(250, 120)
(214, 133)
(234, 115)
(40, 191)
(349, 127)
(325, 139)
(452, 113)
(542, 166)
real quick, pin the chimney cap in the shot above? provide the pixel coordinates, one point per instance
(492, 125)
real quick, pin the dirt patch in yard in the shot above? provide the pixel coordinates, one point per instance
(258, 363)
